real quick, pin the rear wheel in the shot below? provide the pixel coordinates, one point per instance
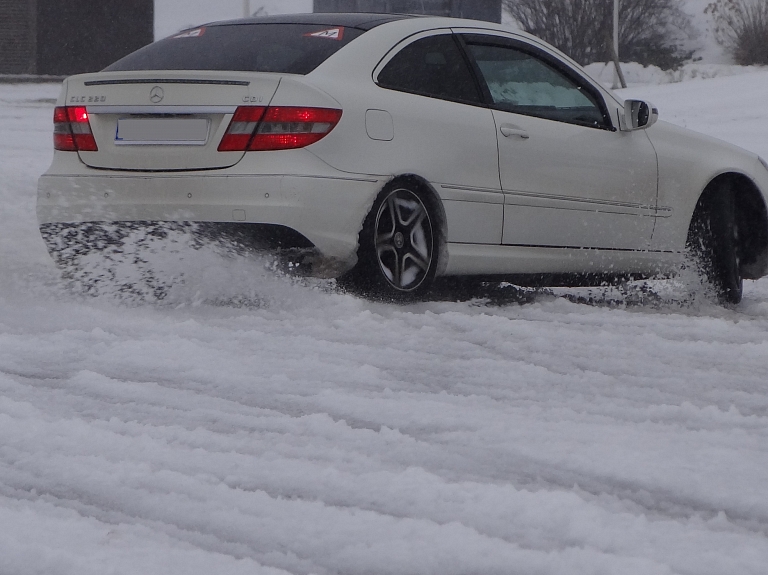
(713, 240)
(397, 254)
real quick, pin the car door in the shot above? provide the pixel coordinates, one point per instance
(570, 178)
(443, 130)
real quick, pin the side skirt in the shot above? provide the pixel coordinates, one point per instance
(496, 260)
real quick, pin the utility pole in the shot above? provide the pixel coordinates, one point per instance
(618, 75)
(246, 8)
(616, 43)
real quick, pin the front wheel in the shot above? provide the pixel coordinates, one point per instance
(713, 240)
(398, 246)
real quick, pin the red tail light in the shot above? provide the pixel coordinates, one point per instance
(72, 130)
(288, 128)
(278, 128)
(241, 129)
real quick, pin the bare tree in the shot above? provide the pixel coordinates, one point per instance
(741, 26)
(650, 31)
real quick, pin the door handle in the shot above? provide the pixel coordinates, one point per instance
(510, 131)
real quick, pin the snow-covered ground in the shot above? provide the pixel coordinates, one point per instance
(256, 425)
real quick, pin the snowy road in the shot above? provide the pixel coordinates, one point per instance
(318, 433)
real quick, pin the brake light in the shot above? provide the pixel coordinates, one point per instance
(278, 128)
(286, 128)
(72, 130)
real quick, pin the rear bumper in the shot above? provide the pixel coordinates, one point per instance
(327, 211)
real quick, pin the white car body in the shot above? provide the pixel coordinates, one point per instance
(550, 198)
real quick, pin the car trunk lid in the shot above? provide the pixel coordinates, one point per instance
(165, 120)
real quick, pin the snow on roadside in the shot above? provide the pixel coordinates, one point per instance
(638, 75)
(729, 108)
(313, 432)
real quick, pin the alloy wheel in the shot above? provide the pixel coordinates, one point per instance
(404, 240)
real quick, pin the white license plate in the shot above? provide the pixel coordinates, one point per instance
(162, 131)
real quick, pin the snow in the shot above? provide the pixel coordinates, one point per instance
(730, 108)
(254, 424)
(702, 38)
(638, 75)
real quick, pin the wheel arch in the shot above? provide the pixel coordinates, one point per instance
(439, 212)
(752, 219)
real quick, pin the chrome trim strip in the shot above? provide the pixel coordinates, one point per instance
(144, 110)
(469, 194)
(136, 173)
(161, 143)
(469, 188)
(645, 212)
(659, 211)
(167, 81)
(511, 195)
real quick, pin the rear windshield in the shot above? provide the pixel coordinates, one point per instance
(281, 48)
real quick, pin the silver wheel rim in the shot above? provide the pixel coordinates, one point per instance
(404, 242)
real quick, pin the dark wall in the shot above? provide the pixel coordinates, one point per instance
(76, 36)
(17, 37)
(489, 10)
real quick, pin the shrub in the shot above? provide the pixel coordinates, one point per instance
(650, 31)
(741, 26)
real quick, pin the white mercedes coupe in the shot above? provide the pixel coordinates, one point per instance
(388, 150)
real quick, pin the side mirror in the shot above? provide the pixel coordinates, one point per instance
(638, 115)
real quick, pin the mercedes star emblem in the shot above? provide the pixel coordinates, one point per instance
(156, 95)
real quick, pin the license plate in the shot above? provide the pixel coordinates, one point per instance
(162, 131)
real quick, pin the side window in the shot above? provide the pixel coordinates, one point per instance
(433, 67)
(522, 83)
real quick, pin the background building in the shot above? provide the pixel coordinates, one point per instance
(489, 10)
(63, 37)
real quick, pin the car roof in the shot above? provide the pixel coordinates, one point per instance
(363, 21)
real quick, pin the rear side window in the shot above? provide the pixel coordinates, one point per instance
(433, 67)
(280, 48)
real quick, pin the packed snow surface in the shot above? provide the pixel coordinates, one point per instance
(250, 423)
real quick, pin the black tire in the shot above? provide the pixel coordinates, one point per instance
(398, 246)
(713, 240)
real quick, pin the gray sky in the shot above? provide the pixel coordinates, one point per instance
(174, 15)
